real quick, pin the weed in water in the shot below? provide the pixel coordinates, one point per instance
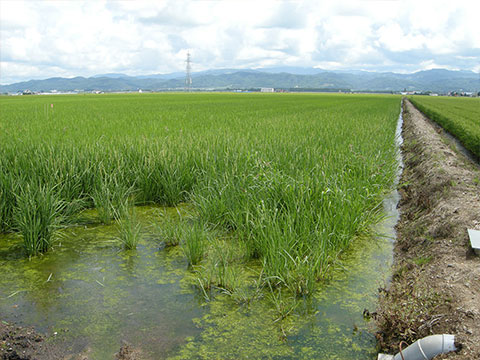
(283, 306)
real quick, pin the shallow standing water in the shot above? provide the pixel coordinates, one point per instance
(92, 295)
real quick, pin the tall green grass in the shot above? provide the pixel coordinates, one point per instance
(37, 216)
(194, 242)
(128, 225)
(295, 177)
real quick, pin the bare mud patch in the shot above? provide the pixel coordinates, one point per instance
(24, 343)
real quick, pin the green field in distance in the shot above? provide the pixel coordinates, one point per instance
(459, 116)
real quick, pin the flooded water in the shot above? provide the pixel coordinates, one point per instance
(93, 295)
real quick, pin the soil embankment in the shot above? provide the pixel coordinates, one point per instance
(436, 283)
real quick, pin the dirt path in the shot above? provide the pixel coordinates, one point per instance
(436, 283)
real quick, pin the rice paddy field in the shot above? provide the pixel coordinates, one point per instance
(197, 225)
(459, 116)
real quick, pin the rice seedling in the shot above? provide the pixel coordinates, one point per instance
(194, 241)
(222, 262)
(128, 225)
(109, 197)
(169, 231)
(37, 216)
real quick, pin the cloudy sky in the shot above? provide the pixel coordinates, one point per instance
(41, 39)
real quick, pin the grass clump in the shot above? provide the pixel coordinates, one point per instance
(422, 260)
(109, 196)
(37, 216)
(194, 242)
(128, 225)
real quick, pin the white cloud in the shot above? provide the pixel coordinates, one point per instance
(41, 39)
(393, 38)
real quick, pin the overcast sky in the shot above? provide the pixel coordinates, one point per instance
(41, 39)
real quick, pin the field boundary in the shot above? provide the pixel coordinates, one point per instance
(436, 276)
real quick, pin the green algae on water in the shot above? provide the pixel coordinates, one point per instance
(94, 295)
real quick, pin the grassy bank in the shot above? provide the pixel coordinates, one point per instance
(291, 179)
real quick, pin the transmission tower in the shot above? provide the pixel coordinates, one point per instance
(188, 70)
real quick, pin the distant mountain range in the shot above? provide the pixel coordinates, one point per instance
(436, 80)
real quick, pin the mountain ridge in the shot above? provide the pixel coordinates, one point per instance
(436, 80)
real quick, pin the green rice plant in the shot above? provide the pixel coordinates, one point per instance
(295, 179)
(128, 225)
(458, 116)
(303, 275)
(169, 231)
(109, 196)
(37, 216)
(194, 241)
(8, 185)
(223, 263)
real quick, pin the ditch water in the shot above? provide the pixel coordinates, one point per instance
(92, 295)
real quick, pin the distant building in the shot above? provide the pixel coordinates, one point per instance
(267, 90)
(27, 92)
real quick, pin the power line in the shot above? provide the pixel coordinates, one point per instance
(188, 70)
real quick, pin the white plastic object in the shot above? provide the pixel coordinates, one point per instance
(428, 347)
